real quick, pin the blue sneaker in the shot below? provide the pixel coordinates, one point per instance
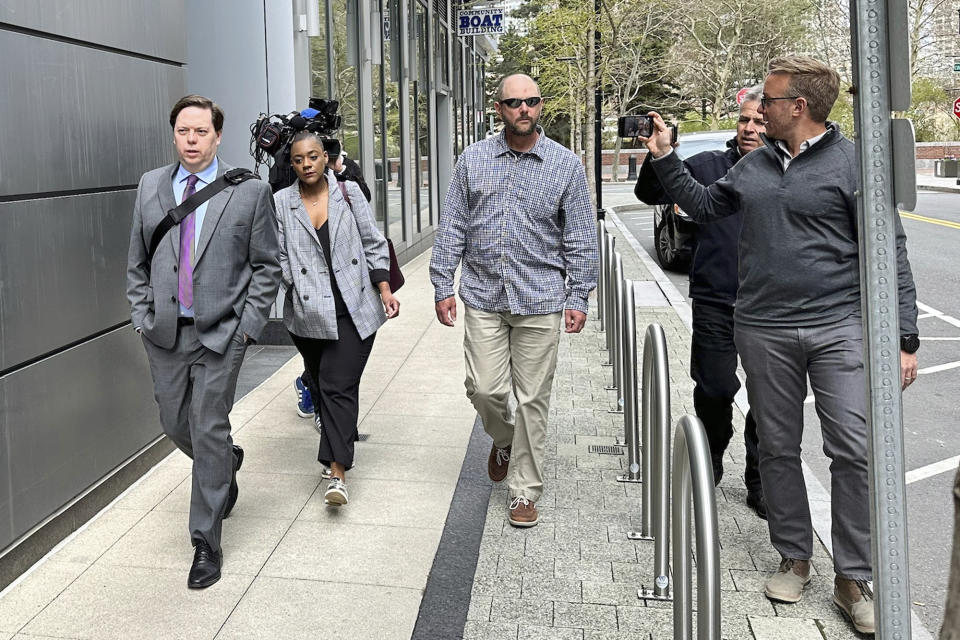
(304, 401)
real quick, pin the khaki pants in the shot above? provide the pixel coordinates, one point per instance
(506, 352)
(951, 618)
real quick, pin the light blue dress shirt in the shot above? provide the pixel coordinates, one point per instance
(204, 178)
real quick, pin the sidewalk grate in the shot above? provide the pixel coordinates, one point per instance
(607, 449)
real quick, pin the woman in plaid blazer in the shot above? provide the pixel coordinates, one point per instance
(336, 271)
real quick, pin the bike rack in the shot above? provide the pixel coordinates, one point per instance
(602, 279)
(628, 390)
(693, 475)
(609, 310)
(616, 324)
(655, 423)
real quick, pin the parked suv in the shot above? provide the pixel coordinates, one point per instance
(672, 233)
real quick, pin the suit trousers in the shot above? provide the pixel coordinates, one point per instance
(777, 362)
(713, 367)
(507, 353)
(194, 387)
(336, 367)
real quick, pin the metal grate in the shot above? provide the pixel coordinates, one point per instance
(440, 9)
(607, 449)
(362, 437)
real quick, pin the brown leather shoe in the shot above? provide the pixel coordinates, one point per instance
(498, 462)
(523, 513)
(855, 599)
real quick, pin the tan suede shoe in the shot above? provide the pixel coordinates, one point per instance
(855, 599)
(787, 584)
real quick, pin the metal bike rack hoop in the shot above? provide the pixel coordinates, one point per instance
(631, 422)
(693, 475)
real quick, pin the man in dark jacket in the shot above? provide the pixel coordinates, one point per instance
(798, 315)
(713, 290)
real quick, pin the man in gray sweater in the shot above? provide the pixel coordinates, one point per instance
(798, 314)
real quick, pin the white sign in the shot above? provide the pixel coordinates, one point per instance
(475, 22)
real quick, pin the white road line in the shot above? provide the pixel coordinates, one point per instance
(925, 315)
(940, 367)
(939, 339)
(931, 470)
(939, 314)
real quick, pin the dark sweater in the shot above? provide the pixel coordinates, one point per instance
(799, 251)
(713, 269)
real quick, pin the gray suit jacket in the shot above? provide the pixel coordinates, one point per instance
(236, 269)
(359, 251)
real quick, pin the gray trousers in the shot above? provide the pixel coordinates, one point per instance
(777, 362)
(194, 387)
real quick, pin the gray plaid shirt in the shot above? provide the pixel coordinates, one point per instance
(523, 227)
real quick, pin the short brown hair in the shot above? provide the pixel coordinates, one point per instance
(193, 100)
(812, 80)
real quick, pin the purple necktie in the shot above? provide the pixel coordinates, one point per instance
(187, 225)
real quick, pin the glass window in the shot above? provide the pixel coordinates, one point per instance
(318, 58)
(345, 73)
(390, 73)
(423, 114)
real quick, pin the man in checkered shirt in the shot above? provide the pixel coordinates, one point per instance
(518, 217)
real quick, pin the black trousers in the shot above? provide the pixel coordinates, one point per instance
(713, 367)
(336, 367)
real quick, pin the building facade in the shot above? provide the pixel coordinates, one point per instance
(87, 91)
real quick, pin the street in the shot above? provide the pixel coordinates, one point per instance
(931, 413)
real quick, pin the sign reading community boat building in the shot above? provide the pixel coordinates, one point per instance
(475, 22)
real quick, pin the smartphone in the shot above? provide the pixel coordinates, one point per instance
(640, 126)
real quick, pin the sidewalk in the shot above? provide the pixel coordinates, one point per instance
(930, 183)
(296, 569)
(293, 568)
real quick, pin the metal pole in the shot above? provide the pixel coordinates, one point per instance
(692, 466)
(881, 60)
(598, 108)
(656, 453)
(631, 425)
(616, 324)
(601, 284)
(608, 297)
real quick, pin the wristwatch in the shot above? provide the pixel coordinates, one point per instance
(909, 343)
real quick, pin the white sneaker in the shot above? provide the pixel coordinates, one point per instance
(336, 494)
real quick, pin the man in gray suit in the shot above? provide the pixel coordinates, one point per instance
(197, 304)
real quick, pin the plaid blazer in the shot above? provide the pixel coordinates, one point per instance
(358, 249)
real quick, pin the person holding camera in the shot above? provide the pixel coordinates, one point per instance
(200, 290)
(798, 315)
(713, 291)
(335, 268)
(518, 217)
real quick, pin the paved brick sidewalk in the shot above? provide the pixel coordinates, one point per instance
(575, 575)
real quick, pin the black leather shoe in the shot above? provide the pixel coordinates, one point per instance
(206, 567)
(234, 488)
(757, 502)
(717, 470)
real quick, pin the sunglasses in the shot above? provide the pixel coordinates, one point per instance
(513, 103)
(765, 102)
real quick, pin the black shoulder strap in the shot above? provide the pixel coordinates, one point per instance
(174, 216)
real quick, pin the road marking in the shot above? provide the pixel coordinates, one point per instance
(938, 339)
(942, 223)
(940, 367)
(937, 314)
(931, 470)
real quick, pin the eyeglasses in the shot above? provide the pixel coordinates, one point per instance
(513, 103)
(764, 101)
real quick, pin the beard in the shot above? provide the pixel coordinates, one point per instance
(517, 128)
